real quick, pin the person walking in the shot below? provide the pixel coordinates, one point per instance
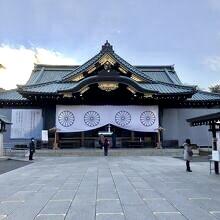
(188, 153)
(31, 149)
(106, 145)
(101, 141)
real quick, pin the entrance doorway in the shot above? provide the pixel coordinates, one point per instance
(121, 138)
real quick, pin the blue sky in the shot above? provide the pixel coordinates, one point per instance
(185, 33)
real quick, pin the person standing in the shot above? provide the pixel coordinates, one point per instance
(31, 149)
(188, 153)
(101, 141)
(106, 145)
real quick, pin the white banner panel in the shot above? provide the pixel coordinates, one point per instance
(44, 135)
(26, 123)
(87, 117)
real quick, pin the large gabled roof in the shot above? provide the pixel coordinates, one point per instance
(107, 50)
(43, 73)
(55, 79)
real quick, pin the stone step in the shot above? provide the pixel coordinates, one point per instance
(112, 152)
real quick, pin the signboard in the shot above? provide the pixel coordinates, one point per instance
(44, 135)
(87, 117)
(26, 123)
(216, 155)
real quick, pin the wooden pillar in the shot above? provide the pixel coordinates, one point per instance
(158, 139)
(214, 147)
(132, 135)
(82, 139)
(56, 141)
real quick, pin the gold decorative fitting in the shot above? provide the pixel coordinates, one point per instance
(78, 77)
(83, 90)
(107, 58)
(132, 90)
(108, 86)
(122, 70)
(67, 94)
(91, 70)
(148, 95)
(136, 78)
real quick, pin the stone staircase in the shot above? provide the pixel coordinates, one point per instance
(112, 152)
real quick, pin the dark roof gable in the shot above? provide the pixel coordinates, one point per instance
(107, 49)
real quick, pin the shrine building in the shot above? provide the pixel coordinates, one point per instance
(106, 93)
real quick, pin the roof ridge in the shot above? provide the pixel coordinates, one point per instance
(9, 90)
(153, 66)
(54, 65)
(38, 84)
(166, 72)
(175, 85)
(131, 66)
(108, 49)
(206, 92)
(75, 70)
(45, 83)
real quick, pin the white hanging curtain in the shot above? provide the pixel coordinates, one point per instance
(79, 118)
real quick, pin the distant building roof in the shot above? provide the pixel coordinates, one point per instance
(204, 119)
(11, 95)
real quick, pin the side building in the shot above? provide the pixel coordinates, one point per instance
(106, 93)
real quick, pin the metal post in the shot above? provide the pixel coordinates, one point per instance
(1, 144)
(214, 144)
(132, 135)
(82, 139)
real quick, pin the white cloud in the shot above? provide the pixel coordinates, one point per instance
(19, 62)
(213, 63)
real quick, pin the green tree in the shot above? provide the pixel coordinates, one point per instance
(215, 88)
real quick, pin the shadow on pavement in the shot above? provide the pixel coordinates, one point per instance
(8, 165)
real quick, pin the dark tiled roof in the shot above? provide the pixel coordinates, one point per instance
(85, 66)
(204, 119)
(45, 73)
(53, 78)
(111, 53)
(131, 68)
(165, 74)
(164, 88)
(49, 73)
(11, 95)
(54, 87)
(205, 96)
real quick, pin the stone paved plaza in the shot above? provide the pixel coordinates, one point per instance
(113, 188)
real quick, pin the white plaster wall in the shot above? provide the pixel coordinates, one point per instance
(176, 127)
